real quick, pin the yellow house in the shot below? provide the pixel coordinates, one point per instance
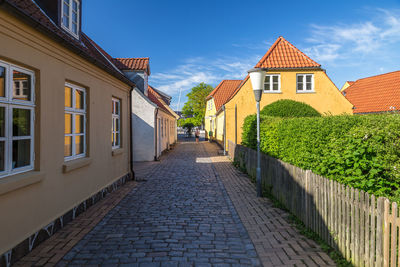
(215, 114)
(346, 84)
(290, 75)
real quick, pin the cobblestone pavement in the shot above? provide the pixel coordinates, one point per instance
(181, 215)
(278, 243)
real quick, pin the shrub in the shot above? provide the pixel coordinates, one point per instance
(359, 151)
(286, 108)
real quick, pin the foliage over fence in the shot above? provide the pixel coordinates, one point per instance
(359, 151)
(286, 108)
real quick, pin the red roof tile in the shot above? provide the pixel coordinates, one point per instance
(283, 54)
(155, 98)
(133, 64)
(223, 91)
(375, 94)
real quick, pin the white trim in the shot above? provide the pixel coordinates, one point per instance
(8, 103)
(304, 90)
(116, 116)
(74, 112)
(70, 10)
(271, 84)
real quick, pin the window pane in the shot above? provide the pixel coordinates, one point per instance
(117, 124)
(79, 144)
(308, 78)
(79, 99)
(112, 138)
(2, 81)
(65, 20)
(79, 126)
(275, 79)
(117, 139)
(75, 6)
(2, 121)
(308, 86)
(67, 146)
(21, 153)
(20, 78)
(74, 28)
(300, 86)
(275, 87)
(300, 78)
(2, 155)
(21, 122)
(68, 124)
(117, 107)
(68, 97)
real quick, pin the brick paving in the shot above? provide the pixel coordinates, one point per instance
(193, 208)
(278, 243)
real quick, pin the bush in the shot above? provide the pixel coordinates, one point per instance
(286, 108)
(359, 151)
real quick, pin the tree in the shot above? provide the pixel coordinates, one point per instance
(195, 106)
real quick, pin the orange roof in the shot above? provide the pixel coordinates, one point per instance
(223, 91)
(133, 64)
(283, 54)
(155, 98)
(375, 94)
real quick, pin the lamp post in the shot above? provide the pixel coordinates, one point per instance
(257, 77)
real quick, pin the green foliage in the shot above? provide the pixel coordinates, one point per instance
(196, 104)
(188, 126)
(286, 108)
(359, 151)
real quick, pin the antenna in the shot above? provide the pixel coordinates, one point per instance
(179, 99)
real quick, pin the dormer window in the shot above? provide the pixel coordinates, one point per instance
(70, 16)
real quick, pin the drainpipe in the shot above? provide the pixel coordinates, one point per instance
(155, 134)
(131, 134)
(223, 108)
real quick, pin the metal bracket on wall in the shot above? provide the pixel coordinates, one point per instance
(7, 257)
(49, 228)
(32, 239)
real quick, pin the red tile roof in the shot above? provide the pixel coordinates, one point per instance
(133, 64)
(375, 94)
(223, 91)
(283, 54)
(84, 47)
(350, 82)
(155, 98)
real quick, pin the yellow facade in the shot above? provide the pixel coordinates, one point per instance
(31, 200)
(219, 131)
(210, 118)
(325, 98)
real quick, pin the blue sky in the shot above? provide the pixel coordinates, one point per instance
(190, 41)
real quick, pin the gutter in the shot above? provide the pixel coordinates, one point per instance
(155, 134)
(131, 134)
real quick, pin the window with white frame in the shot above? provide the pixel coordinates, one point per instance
(162, 129)
(17, 110)
(305, 83)
(70, 16)
(75, 122)
(116, 123)
(272, 83)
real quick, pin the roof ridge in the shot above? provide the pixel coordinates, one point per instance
(382, 74)
(269, 51)
(132, 57)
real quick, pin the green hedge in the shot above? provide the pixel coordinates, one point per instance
(286, 108)
(360, 151)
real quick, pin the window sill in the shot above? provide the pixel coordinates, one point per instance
(76, 164)
(117, 151)
(307, 92)
(14, 182)
(268, 92)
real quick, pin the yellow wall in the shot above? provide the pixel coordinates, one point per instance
(26, 210)
(220, 126)
(326, 99)
(345, 85)
(210, 118)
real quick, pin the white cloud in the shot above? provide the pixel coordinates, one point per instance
(344, 41)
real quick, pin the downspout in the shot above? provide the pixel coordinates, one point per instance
(223, 107)
(131, 133)
(155, 134)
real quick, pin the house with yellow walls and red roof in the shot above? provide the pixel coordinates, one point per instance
(214, 121)
(375, 94)
(291, 74)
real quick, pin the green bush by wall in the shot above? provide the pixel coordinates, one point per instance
(360, 151)
(287, 108)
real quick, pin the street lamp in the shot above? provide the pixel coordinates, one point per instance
(257, 77)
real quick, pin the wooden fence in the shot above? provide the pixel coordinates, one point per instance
(365, 229)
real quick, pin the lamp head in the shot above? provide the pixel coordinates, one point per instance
(257, 77)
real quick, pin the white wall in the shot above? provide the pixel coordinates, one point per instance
(143, 132)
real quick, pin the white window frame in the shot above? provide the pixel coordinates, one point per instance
(271, 84)
(73, 111)
(304, 90)
(116, 117)
(69, 28)
(9, 104)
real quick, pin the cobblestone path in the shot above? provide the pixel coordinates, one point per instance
(180, 216)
